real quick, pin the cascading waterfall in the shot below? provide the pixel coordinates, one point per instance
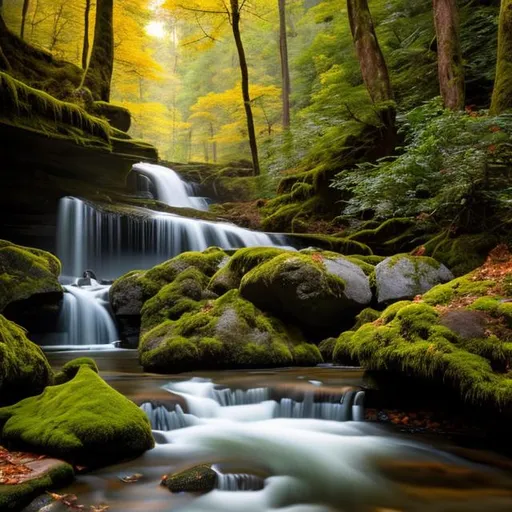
(207, 403)
(170, 188)
(113, 244)
(84, 318)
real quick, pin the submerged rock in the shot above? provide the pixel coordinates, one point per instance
(197, 479)
(403, 277)
(24, 369)
(84, 421)
(318, 290)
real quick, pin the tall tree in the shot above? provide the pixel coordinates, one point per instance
(231, 11)
(502, 94)
(85, 46)
(449, 54)
(285, 67)
(98, 75)
(24, 12)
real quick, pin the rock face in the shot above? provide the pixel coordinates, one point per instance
(118, 117)
(84, 421)
(197, 479)
(458, 334)
(403, 277)
(24, 369)
(315, 291)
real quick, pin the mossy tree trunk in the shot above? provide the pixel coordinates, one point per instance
(502, 94)
(101, 63)
(449, 54)
(371, 59)
(24, 12)
(235, 24)
(285, 67)
(4, 62)
(85, 46)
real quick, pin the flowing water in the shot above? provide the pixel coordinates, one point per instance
(291, 440)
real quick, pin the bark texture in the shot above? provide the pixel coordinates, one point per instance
(371, 60)
(24, 12)
(285, 67)
(235, 24)
(98, 75)
(502, 94)
(85, 46)
(449, 55)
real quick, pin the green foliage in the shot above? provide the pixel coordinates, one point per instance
(453, 168)
(71, 368)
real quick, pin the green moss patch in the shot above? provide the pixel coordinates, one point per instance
(71, 368)
(84, 421)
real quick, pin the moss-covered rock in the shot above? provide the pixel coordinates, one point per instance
(117, 116)
(459, 334)
(26, 272)
(84, 421)
(71, 368)
(317, 291)
(46, 475)
(24, 369)
(228, 332)
(403, 277)
(197, 479)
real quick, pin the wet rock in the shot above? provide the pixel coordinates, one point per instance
(467, 324)
(403, 277)
(200, 479)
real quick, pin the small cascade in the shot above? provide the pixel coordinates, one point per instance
(84, 318)
(238, 481)
(206, 403)
(113, 244)
(170, 188)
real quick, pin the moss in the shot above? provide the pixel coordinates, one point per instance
(84, 421)
(386, 231)
(332, 243)
(306, 354)
(70, 369)
(326, 348)
(197, 479)
(226, 332)
(411, 341)
(35, 109)
(25, 272)
(366, 316)
(415, 260)
(371, 259)
(301, 191)
(24, 369)
(464, 286)
(15, 497)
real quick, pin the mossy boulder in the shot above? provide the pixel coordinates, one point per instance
(315, 291)
(27, 274)
(228, 332)
(130, 292)
(403, 277)
(197, 479)
(24, 369)
(45, 475)
(459, 334)
(117, 116)
(84, 421)
(71, 368)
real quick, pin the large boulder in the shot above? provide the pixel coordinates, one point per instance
(315, 290)
(84, 421)
(30, 292)
(130, 292)
(457, 334)
(228, 332)
(24, 369)
(403, 277)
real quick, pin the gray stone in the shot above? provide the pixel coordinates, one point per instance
(403, 277)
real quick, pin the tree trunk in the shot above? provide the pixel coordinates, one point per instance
(371, 60)
(285, 68)
(449, 54)
(85, 47)
(235, 24)
(502, 94)
(24, 12)
(98, 75)
(214, 144)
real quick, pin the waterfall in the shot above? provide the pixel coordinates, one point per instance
(84, 318)
(170, 188)
(206, 403)
(114, 243)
